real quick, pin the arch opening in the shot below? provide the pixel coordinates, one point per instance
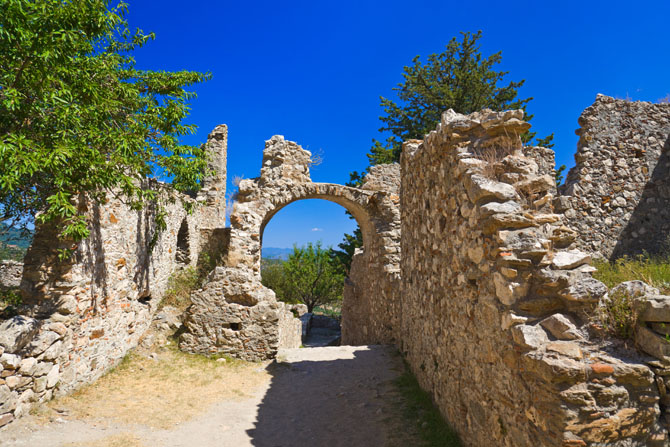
(183, 255)
(314, 228)
(360, 215)
(326, 214)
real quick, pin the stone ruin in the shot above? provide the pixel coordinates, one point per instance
(497, 321)
(81, 316)
(235, 314)
(488, 294)
(617, 197)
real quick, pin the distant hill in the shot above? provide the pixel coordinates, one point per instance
(13, 243)
(13, 236)
(276, 253)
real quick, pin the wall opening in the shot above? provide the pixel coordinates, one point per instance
(315, 228)
(183, 245)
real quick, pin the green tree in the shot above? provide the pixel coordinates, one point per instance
(459, 78)
(77, 117)
(309, 276)
(347, 248)
(272, 276)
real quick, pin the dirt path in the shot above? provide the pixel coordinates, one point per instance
(327, 396)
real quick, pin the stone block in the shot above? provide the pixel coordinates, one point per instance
(40, 384)
(6, 419)
(10, 361)
(567, 260)
(652, 343)
(8, 399)
(584, 289)
(28, 366)
(52, 351)
(654, 308)
(566, 348)
(42, 342)
(529, 337)
(53, 376)
(498, 207)
(16, 332)
(510, 319)
(561, 327)
(480, 188)
(508, 292)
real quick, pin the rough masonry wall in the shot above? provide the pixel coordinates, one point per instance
(618, 193)
(496, 304)
(81, 316)
(10, 274)
(371, 299)
(236, 315)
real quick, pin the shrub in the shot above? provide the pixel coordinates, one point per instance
(618, 316)
(180, 286)
(10, 301)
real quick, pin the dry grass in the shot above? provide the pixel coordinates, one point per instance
(163, 392)
(655, 271)
(493, 155)
(118, 440)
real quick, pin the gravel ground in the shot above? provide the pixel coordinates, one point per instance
(325, 396)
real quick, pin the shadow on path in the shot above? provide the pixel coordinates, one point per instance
(331, 396)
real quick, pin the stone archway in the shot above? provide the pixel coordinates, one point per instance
(236, 315)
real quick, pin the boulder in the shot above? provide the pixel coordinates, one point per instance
(16, 332)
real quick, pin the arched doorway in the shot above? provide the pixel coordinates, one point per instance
(235, 295)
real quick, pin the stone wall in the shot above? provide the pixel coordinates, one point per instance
(618, 193)
(497, 303)
(236, 315)
(10, 274)
(371, 298)
(82, 315)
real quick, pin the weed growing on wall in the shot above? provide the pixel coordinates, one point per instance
(180, 286)
(185, 281)
(492, 156)
(618, 316)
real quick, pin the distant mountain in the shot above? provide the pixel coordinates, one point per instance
(13, 236)
(13, 243)
(276, 253)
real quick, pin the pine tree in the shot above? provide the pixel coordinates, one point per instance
(459, 78)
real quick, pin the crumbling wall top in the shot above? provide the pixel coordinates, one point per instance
(284, 162)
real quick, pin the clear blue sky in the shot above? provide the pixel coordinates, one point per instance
(313, 71)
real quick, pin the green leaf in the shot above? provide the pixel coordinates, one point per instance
(76, 117)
